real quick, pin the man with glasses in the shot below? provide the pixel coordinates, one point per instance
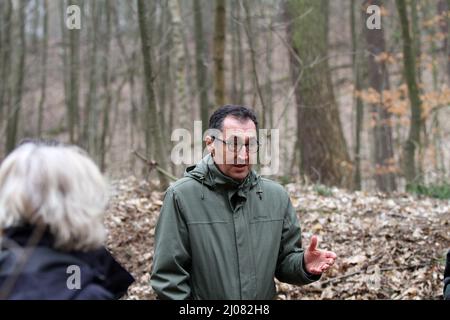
(226, 233)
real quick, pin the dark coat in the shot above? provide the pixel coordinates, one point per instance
(45, 273)
(447, 278)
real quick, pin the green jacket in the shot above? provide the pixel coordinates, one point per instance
(220, 239)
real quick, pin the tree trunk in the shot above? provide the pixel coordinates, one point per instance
(2, 74)
(5, 56)
(44, 68)
(74, 82)
(240, 57)
(417, 49)
(90, 114)
(324, 156)
(34, 27)
(14, 110)
(439, 161)
(381, 118)
(64, 55)
(250, 38)
(233, 26)
(219, 52)
(357, 76)
(442, 9)
(417, 41)
(106, 85)
(269, 62)
(148, 75)
(163, 77)
(200, 57)
(189, 84)
(178, 51)
(409, 69)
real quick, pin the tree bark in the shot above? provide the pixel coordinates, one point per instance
(34, 27)
(324, 156)
(162, 79)
(358, 103)
(14, 110)
(179, 63)
(90, 113)
(409, 69)
(189, 84)
(219, 52)
(250, 38)
(106, 85)
(5, 56)
(269, 72)
(240, 57)
(148, 75)
(64, 56)
(381, 117)
(74, 79)
(200, 44)
(442, 9)
(44, 68)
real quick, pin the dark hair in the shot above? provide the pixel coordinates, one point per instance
(239, 112)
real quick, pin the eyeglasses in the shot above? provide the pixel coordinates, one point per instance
(235, 145)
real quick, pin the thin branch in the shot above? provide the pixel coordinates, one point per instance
(364, 270)
(154, 165)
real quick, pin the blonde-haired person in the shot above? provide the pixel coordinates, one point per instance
(52, 200)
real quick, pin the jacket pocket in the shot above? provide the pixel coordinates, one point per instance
(264, 219)
(207, 222)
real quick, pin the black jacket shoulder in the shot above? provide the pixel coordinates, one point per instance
(42, 272)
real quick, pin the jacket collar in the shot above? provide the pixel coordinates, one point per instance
(21, 236)
(112, 275)
(207, 172)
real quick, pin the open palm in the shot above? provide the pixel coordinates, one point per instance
(318, 261)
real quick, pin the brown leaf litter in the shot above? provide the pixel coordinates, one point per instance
(388, 247)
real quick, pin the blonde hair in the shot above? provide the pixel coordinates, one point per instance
(58, 186)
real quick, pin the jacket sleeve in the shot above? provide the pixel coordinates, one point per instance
(172, 258)
(290, 264)
(447, 278)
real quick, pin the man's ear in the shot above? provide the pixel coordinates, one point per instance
(210, 144)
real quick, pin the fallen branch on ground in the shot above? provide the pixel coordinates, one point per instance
(365, 271)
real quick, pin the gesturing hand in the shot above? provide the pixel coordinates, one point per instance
(318, 261)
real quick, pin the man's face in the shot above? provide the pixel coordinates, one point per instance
(230, 150)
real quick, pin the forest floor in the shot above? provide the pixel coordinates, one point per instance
(388, 247)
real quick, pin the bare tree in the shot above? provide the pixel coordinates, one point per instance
(442, 9)
(44, 68)
(324, 156)
(179, 63)
(74, 79)
(5, 53)
(357, 71)
(149, 89)
(250, 38)
(382, 131)
(90, 113)
(200, 56)
(409, 69)
(237, 58)
(106, 84)
(15, 107)
(219, 52)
